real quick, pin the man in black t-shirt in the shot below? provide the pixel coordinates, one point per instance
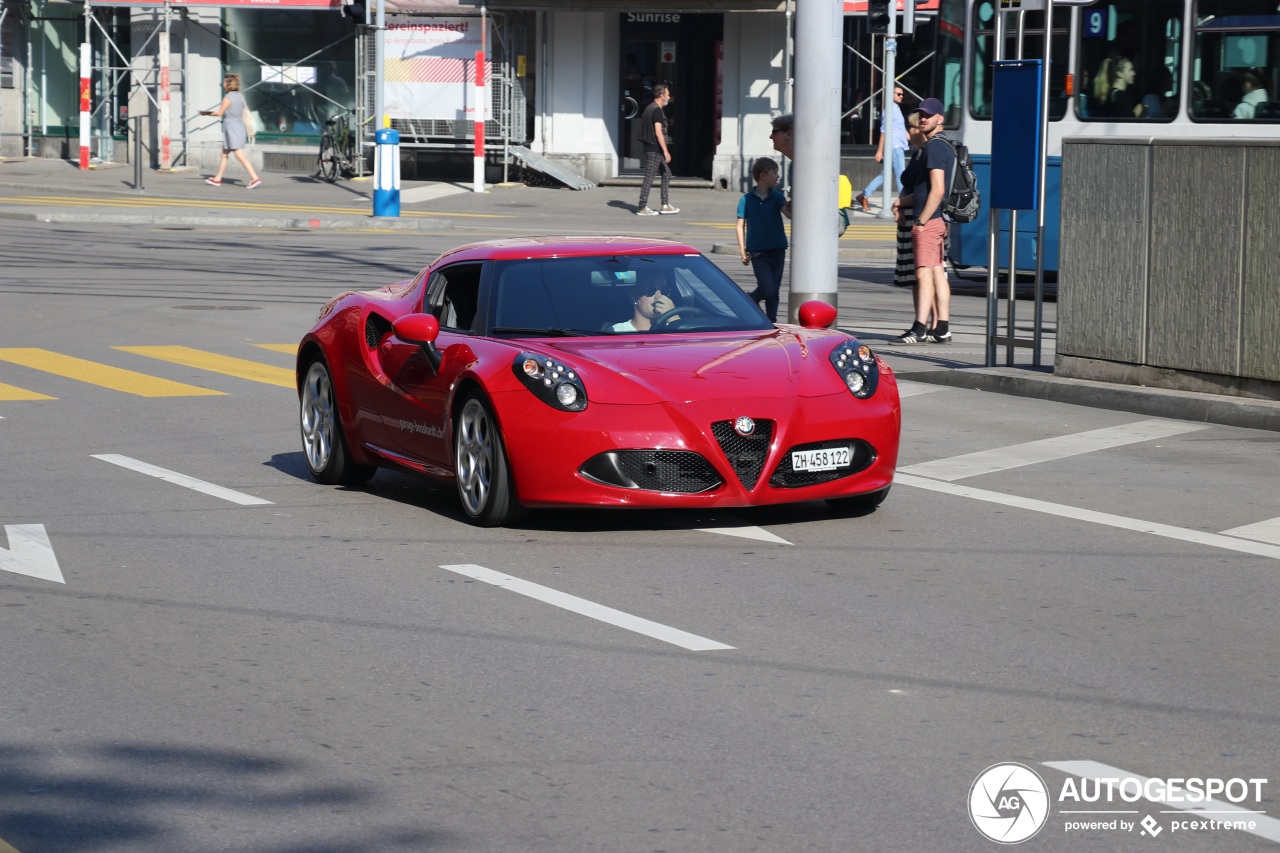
(653, 133)
(929, 231)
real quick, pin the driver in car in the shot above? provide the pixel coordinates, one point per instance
(650, 303)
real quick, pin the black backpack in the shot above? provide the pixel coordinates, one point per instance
(963, 199)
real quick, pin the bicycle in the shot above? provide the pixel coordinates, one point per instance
(337, 147)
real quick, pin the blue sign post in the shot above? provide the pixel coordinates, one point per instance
(1017, 99)
(386, 173)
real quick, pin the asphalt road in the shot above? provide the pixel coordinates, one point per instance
(320, 670)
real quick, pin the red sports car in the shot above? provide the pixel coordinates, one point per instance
(624, 372)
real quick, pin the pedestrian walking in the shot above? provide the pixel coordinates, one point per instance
(929, 232)
(237, 127)
(762, 241)
(898, 154)
(657, 153)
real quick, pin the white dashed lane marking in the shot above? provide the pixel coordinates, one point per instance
(1049, 449)
(182, 480)
(590, 609)
(1215, 540)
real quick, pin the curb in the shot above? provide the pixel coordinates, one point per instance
(1157, 402)
(305, 223)
(845, 254)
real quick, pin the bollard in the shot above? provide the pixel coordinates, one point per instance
(386, 173)
(137, 154)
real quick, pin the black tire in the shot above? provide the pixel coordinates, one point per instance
(480, 466)
(347, 155)
(323, 443)
(329, 158)
(859, 503)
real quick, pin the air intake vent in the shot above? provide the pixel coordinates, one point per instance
(746, 453)
(375, 326)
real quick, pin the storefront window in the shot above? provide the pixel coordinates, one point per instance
(1236, 74)
(984, 42)
(297, 68)
(1130, 60)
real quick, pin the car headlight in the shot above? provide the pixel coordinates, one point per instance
(857, 367)
(551, 381)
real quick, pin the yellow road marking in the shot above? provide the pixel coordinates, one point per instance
(12, 392)
(82, 201)
(5, 848)
(291, 349)
(867, 231)
(241, 368)
(101, 374)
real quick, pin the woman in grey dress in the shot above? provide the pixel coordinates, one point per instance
(235, 135)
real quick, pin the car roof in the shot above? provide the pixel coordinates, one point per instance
(522, 248)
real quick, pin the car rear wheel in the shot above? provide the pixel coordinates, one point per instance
(323, 444)
(480, 466)
(859, 503)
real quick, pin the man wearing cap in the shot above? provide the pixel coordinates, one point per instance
(929, 231)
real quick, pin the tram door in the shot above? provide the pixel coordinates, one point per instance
(680, 50)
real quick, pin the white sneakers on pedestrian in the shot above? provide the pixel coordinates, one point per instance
(666, 208)
(646, 211)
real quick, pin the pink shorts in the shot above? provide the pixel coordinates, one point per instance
(927, 242)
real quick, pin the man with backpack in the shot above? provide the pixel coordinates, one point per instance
(929, 230)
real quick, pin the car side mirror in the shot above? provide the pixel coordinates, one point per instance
(420, 329)
(816, 314)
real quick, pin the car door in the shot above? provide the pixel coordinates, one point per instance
(415, 410)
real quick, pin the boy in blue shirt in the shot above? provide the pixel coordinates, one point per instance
(762, 242)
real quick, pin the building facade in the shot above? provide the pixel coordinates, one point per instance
(568, 79)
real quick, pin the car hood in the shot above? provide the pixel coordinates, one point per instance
(785, 362)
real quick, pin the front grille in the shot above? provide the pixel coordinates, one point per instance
(375, 326)
(785, 477)
(746, 453)
(677, 471)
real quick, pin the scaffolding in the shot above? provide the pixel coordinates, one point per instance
(137, 65)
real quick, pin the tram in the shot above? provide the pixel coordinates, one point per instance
(1123, 68)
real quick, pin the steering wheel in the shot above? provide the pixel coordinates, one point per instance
(666, 318)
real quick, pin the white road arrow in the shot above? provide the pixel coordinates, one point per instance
(30, 553)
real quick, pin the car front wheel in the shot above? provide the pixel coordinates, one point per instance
(480, 466)
(322, 442)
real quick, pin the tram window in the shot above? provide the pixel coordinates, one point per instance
(983, 30)
(1236, 73)
(1130, 60)
(948, 68)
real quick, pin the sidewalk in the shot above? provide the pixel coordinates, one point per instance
(870, 306)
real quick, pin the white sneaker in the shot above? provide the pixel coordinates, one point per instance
(646, 211)
(666, 208)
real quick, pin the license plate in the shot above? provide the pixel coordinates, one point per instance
(827, 459)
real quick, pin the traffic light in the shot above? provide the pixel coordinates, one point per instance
(878, 12)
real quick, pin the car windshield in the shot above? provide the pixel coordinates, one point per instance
(619, 294)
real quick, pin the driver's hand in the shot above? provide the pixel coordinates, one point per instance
(662, 303)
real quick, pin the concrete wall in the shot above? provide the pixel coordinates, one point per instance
(1169, 271)
(754, 92)
(582, 87)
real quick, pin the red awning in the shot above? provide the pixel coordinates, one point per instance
(859, 7)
